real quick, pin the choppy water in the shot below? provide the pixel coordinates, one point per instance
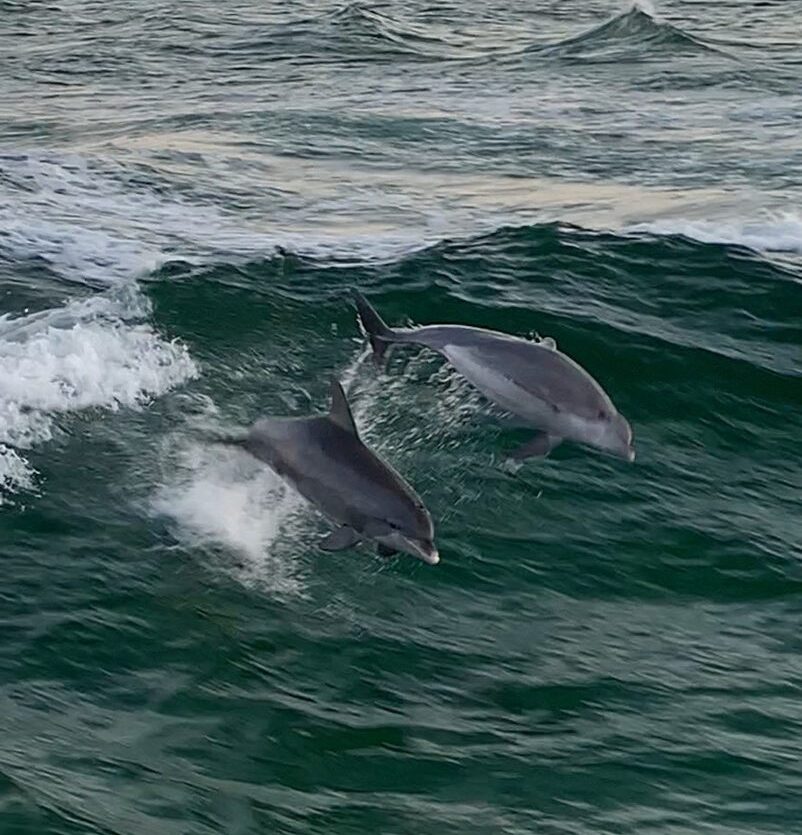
(186, 191)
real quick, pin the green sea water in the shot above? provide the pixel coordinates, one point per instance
(187, 192)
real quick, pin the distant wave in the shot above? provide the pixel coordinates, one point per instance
(358, 33)
(368, 23)
(632, 34)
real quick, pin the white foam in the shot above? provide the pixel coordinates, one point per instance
(220, 496)
(15, 472)
(776, 233)
(90, 353)
(90, 223)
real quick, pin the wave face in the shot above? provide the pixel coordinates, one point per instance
(187, 194)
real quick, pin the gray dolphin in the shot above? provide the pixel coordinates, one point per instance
(327, 463)
(532, 380)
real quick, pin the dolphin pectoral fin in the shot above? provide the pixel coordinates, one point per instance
(340, 539)
(538, 447)
(385, 550)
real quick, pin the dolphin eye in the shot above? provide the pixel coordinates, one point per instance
(602, 414)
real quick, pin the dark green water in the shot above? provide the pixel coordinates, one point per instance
(186, 193)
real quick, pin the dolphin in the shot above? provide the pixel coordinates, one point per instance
(323, 458)
(533, 381)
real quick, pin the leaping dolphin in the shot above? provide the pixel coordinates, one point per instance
(532, 380)
(324, 459)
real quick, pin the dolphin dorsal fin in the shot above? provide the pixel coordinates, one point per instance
(340, 410)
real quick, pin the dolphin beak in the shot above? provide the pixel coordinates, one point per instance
(419, 548)
(433, 557)
(631, 454)
(429, 555)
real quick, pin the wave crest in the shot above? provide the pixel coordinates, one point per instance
(780, 233)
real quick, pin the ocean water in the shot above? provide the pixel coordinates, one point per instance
(187, 191)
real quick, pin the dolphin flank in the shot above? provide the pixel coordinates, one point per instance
(532, 380)
(323, 458)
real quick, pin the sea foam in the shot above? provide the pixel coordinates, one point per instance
(774, 233)
(96, 352)
(220, 497)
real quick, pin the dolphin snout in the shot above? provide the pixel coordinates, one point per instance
(623, 442)
(433, 557)
(426, 551)
(421, 548)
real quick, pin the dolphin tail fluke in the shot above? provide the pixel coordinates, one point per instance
(378, 333)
